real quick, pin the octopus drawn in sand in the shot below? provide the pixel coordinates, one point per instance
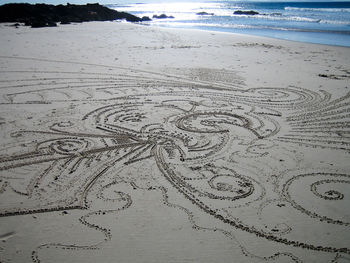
(197, 132)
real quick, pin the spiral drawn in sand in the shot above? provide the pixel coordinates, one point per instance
(196, 133)
(320, 188)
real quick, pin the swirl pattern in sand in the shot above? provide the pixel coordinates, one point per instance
(84, 141)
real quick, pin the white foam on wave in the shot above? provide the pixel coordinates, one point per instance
(335, 22)
(216, 25)
(280, 18)
(317, 9)
(241, 27)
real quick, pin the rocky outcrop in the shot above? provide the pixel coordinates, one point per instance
(162, 16)
(204, 14)
(241, 12)
(146, 18)
(42, 15)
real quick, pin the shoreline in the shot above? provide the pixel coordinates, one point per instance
(12, 24)
(140, 144)
(275, 19)
(249, 34)
(46, 15)
(295, 37)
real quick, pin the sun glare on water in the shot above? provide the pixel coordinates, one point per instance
(179, 10)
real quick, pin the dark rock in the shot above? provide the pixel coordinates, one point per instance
(65, 22)
(204, 14)
(240, 12)
(42, 15)
(146, 18)
(162, 16)
(37, 24)
(51, 24)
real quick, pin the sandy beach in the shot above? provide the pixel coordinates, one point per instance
(129, 143)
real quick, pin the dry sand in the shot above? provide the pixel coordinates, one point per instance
(128, 143)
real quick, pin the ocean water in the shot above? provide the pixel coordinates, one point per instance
(314, 22)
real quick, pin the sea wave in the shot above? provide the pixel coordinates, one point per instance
(244, 27)
(280, 18)
(297, 19)
(290, 8)
(335, 22)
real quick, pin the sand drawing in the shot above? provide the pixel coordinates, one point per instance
(236, 153)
